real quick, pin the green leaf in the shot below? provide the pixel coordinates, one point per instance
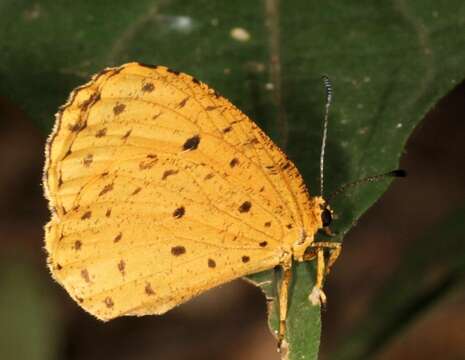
(432, 268)
(389, 62)
(304, 323)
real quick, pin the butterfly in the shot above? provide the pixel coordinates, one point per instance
(160, 189)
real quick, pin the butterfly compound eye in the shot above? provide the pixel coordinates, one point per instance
(326, 217)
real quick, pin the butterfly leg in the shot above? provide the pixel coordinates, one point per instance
(323, 267)
(317, 296)
(283, 299)
(334, 248)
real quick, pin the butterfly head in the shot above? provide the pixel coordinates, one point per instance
(326, 216)
(323, 214)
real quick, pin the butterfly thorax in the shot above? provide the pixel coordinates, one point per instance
(301, 237)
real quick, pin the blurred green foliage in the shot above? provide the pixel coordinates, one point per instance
(28, 329)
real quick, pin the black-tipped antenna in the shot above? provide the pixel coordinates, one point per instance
(329, 96)
(394, 173)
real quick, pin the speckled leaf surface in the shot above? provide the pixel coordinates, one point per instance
(389, 62)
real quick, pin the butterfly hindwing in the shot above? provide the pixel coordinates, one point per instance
(161, 189)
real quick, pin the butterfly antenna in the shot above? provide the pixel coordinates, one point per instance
(394, 173)
(329, 96)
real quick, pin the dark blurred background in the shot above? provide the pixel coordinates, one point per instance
(230, 322)
(397, 291)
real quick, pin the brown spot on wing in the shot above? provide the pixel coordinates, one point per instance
(118, 109)
(121, 266)
(85, 275)
(211, 263)
(179, 212)
(148, 289)
(106, 188)
(192, 143)
(91, 100)
(183, 103)
(168, 173)
(263, 244)
(118, 237)
(101, 133)
(88, 160)
(149, 162)
(178, 250)
(245, 259)
(75, 127)
(108, 213)
(87, 215)
(234, 162)
(109, 302)
(77, 245)
(148, 87)
(254, 141)
(136, 191)
(245, 207)
(126, 135)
